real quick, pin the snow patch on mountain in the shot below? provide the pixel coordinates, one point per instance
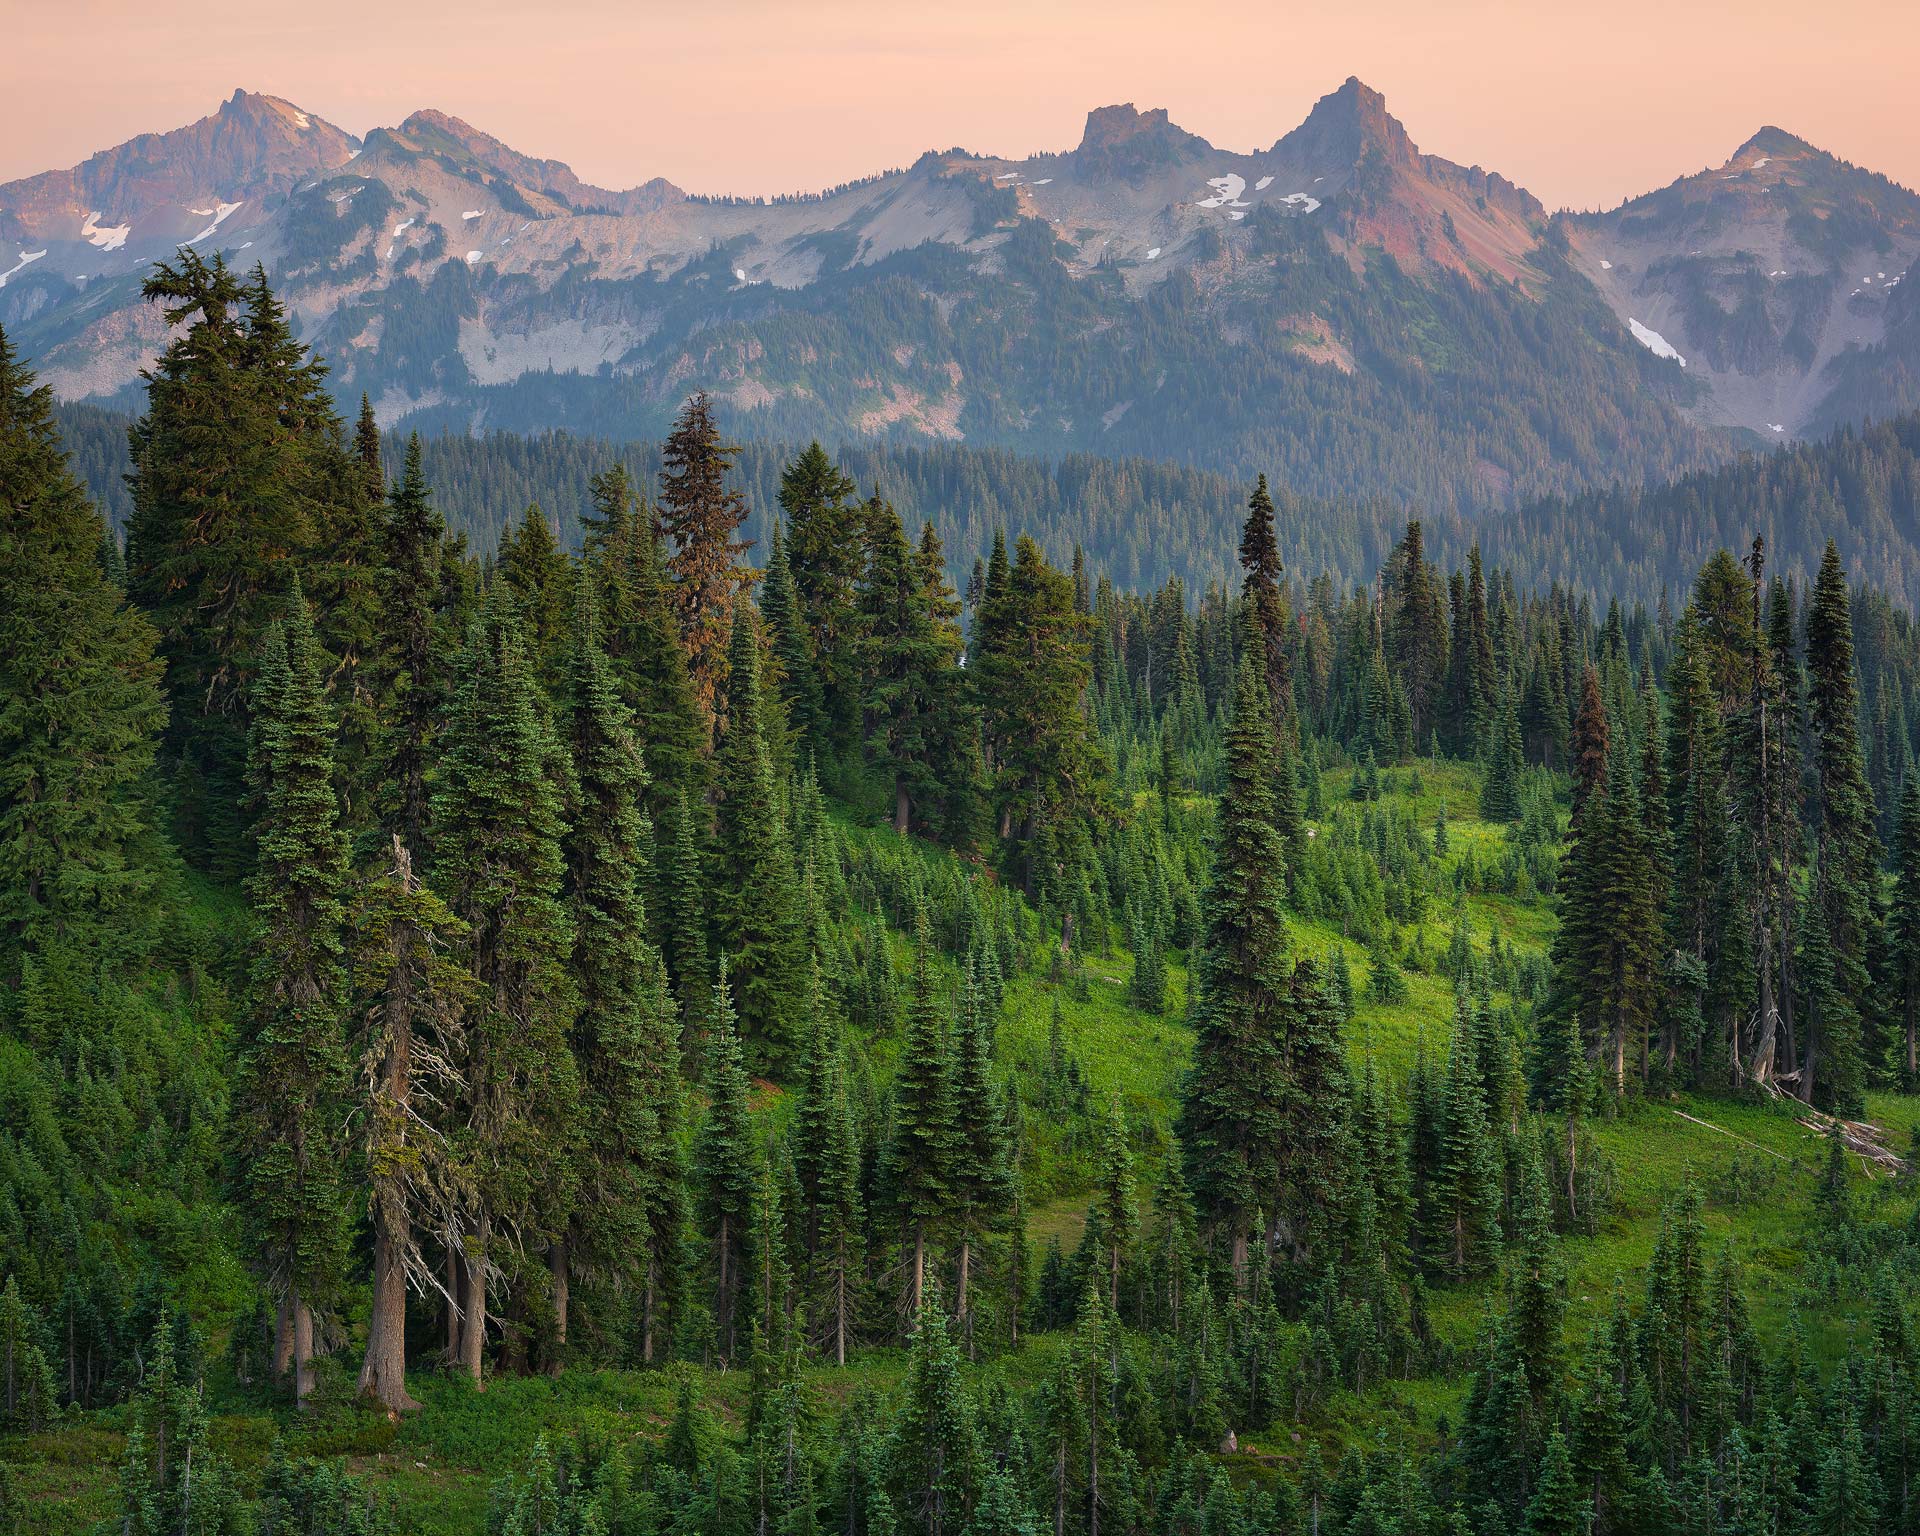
(220, 216)
(27, 258)
(1654, 342)
(108, 237)
(1226, 191)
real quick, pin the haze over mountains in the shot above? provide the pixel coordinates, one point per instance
(1339, 309)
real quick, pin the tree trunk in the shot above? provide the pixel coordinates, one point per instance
(919, 1265)
(557, 1268)
(302, 1352)
(902, 807)
(646, 1316)
(473, 1324)
(840, 1306)
(966, 1317)
(723, 1303)
(383, 1374)
(283, 1336)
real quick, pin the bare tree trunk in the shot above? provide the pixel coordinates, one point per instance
(283, 1336)
(456, 1301)
(919, 1265)
(383, 1374)
(302, 1351)
(902, 807)
(646, 1316)
(473, 1326)
(557, 1268)
(723, 1308)
(840, 1307)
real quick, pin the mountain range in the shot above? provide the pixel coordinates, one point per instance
(1339, 309)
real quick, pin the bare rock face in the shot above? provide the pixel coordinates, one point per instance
(252, 150)
(1780, 276)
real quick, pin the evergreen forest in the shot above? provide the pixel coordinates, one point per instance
(771, 993)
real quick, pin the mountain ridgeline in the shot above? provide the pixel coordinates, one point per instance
(1352, 316)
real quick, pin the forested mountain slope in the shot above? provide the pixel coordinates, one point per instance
(1143, 522)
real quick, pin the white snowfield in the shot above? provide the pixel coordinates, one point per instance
(27, 258)
(1301, 201)
(108, 237)
(1654, 342)
(1605, 265)
(474, 213)
(1263, 183)
(1776, 426)
(473, 256)
(1154, 254)
(220, 215)
(402, 227)
(1226, 191)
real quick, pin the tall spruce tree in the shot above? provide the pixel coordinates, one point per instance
(1260, 559)
(824, 551)
(702, 513)
(1233, 1104)
(499, 826)
(290, 1082)
(224, 493)
(750, 885)
(410, 674)
(923, 1152)
(1833, 1070)
(728, 1175)
(626, 1223)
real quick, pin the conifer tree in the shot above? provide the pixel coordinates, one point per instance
(1030, 671)
(500, 824)
(410, 996)
(791, 649)
(1462, 1200)
(1833, 1066)
(685, 926)
(223, 494)
(1232, 1106)
(537, 572)
(751, 881)
(79, 706)
(1557, 1507)
(410, 674)
(1903, 929)
(908, 653)
(824, 551)
(1419, 632)
(924, 1150)
(702, 514)
(1113, 1219)
(1260, 559)
(291, 1074)
(934, 1459)
(624, 1042)
(982, 1164)
(729, 1175)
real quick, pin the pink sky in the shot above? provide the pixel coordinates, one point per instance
(1582, 103)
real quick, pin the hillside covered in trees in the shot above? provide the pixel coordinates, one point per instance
(1143, 523)
(720, 1006)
